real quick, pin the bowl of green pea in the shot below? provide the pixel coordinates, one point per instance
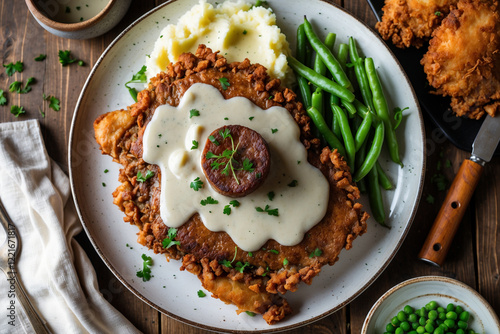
(434, 305)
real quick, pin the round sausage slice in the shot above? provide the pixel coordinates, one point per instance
(235, 160)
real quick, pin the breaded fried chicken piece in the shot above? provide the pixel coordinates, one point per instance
(411, 22)
(463, 59)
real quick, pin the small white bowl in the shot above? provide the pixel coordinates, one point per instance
(48, 13)
(418, 291)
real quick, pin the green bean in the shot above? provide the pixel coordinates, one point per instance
(380, 104)
(319, 65)
(343, 54)
(323, 128)
(384, 180)
(326, 55)
(349, 107)
(359, 70)
(363, 130)
(317, 102)
(335, 122)
(375, 197)
(373, 153)
(361, 108)
(305, 90)
(345, 130)
(320, 81)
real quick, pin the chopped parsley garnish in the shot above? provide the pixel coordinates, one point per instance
(104, 184)
(251, 118)
(227, 210)
(145, 273)
(316, 252)
(430, 199)
(106, 170)
(244, 32)
(285, 262)
(241, 266)
(213, 140)
(293, 183)
(17, 110)
(270, 195)
(197, 184)
(169, 240)
(271, 212)
(440, 181)
(194, 112)
(250, 254)
(195, 145)
(250, 313)
(274, 130)
(224, 83)
(81, 63)
(139, 77)
(209, 200)
(12, 68)
(65, 58)
(234, 203)
(201, 294)
(274, 251)
(54, 102)
(40, 57)
(227, 159)
(226, 263)
(3, 99)
(143, 178)
(438, 13)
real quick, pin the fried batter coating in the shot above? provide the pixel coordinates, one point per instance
(411, 22)
(463, 59)
(258, 288)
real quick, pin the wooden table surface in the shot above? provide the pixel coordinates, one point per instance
(473, 259)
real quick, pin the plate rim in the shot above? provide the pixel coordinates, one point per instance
(211, 328)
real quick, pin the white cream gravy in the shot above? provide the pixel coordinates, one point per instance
(72, 11)
(168, 140)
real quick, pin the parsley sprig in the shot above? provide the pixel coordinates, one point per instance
(226, 159)
(271, 212)
(145, 273)
(65, 58)
(17, 86)
(169, 240)
(144, 178)
(139, 77)
(3, 98)
(197, 184)
(12, 68)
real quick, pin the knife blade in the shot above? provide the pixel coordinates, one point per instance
(441, 235)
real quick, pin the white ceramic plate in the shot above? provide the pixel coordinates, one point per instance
(417, 292)
(175, 293)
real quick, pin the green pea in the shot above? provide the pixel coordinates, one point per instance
(395, 321)
(399, 330)
(459, 309)
(405, 326)
(462, 324)
(433, 314)
(450, 323)
(414, 325)
(442, 316)
(429, 328)
(413, 332)
(401, 316)
(420, 330)
(438, 331)
(440, 309)
(408, 310)
(390, 328)
(422, 321)
(451, 315)
(464, 316)
(412, 317)
(432, 305)
(460, 331)
(450, 307)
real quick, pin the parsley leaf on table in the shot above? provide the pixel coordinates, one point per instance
(54, 102)
(17, 110)
(11, 68)
(65, 58)
(16, 86)
(139, 77)
(145, 273)
(3, 98)
(40, 57)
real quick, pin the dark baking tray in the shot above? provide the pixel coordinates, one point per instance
(459, 130)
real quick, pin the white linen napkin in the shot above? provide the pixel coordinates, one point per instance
(54, 269)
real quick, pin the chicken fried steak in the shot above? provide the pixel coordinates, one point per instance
(254, 281)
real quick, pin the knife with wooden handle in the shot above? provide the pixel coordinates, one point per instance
(445, 226)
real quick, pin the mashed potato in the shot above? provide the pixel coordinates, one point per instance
(236, 29)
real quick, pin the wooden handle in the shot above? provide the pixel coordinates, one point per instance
(445, 226)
